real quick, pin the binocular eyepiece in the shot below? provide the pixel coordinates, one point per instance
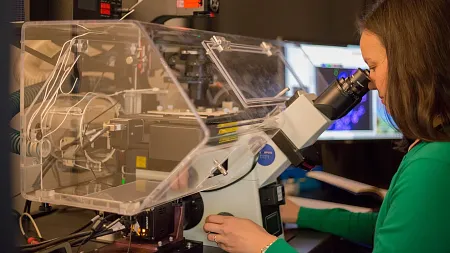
(343, 95)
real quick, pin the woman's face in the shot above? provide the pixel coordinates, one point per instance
(374, 55)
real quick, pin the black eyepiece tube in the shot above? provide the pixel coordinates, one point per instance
(343, 95)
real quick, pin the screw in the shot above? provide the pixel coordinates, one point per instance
(129, 60)
(189, 245)
(220, 168)
(170, 239)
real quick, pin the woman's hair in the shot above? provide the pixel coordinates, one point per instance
(416, 35)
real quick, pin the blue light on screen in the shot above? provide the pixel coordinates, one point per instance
(351, 119)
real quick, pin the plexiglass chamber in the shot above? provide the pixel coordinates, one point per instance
(131, 115)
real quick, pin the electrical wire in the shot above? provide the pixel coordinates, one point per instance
(78, 239)
(58, 66)
(27, 207)
(95, 231)
(126, 15)
(113, 223)
(46, 84)
(132, 9)
(96, 117)
(99, 80)
(86, 239)
(103, 233)
(86, 225)
(136, 4)
(129, 243)
(43, 245)
(67, 114)
(49, 162)
(32, 221)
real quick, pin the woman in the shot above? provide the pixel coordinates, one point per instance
(406, 44)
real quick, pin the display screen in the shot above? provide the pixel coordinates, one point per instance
(317, 66)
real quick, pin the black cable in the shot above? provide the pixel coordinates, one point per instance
(27, 207)
(90, 223)
(45, 244)
(86, 234)
(86, 239)
(164, 18)
(82, 228)
(96, 117)
(96, 228)
(129, 243)
(107, 232)
(237, 180)
(43, 213)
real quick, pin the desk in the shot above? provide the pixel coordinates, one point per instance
(66, 220)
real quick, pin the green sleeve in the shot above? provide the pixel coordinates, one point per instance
(280, 245)
(418, 218)
(357, 227)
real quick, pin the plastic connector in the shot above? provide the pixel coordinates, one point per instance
(32, 241)
(98, 224)
(95, 218)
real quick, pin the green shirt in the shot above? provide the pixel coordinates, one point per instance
(414, 216)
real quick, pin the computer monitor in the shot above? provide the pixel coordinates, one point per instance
(317, 66)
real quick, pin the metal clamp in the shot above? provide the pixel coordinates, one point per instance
(267, 48)
(220, 168)
(220, 43)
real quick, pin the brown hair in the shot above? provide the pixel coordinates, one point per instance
(416, 35)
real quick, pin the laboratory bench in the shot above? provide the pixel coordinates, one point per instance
(67, 219)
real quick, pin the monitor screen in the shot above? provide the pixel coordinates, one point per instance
(317, 66)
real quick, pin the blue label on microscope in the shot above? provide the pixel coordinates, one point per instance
(266, 155)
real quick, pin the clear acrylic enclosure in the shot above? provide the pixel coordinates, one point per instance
(131, 115)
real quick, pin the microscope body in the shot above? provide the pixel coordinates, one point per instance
(258, 196)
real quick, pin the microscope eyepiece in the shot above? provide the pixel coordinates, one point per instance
(356, 84)
(343, 95)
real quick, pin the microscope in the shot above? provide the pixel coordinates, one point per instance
(132, 135)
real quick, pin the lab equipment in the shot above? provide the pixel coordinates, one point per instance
(72, 9)
(127, 133)
(317, 66)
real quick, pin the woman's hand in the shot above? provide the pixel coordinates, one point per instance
(237, 235)
(289, 211)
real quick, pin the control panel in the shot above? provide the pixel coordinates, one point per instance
(97, 9)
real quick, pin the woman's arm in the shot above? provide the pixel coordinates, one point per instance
(357, 227)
